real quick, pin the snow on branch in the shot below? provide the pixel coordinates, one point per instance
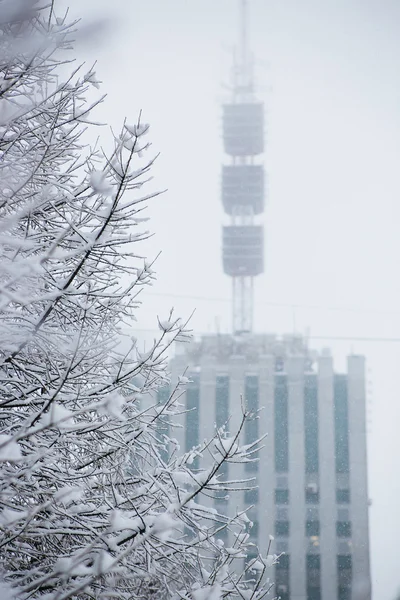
(91, 503)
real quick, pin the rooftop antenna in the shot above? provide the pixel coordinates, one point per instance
(243, 187)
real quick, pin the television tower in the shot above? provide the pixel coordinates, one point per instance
(243, 183)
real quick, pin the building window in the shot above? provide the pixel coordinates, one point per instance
(281, 424)
(282, 528)
(253, 531)
(313, 570)
(312, 528)
(250, 558)
(222, 534)
(163, 427)
(344, 568)
(313, 561)
(312, 497)
(222, 415)
(343, 529)
(344, 593)
(312, 514)
(281, 496)
(221, 400)
(251, 496)
(251, 425)
(192, 416)
(343, 496)
(282, 513)
(282, 570)
(341, 424)
(311, 424)
(312, 493)
(313, 593)
(283, 562)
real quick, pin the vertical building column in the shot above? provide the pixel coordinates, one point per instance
(237, 366)
(207, 413)
(266, 469)
(361, 587)
(297, 512)
(179, 365)
(327, 478)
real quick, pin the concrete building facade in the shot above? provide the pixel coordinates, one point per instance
(312, 471)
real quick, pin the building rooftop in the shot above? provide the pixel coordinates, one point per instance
(252, 346)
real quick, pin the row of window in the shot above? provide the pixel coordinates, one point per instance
(313, 528)
(313, 576)
(312, 497)
(281, 418)
(311, 426)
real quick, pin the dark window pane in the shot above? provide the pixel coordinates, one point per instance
(284, 562)
(343, 496)
(311, 424)
(281, 496)
(251, 425)
(253, 531)
(192, 416)
(341, 424)
(312, 497)
(282, 591)
(282, 528)
(344, 593)
(343, 529)
(314, 593)
(313, 561)
(312, 528)
(222, 534)
(281, 425)
(221, 400)
(251, 556)
(345, 568)
(163, 427)
(344, 578)
(251, 496)
(344, 561)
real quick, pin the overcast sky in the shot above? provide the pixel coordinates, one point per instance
(329, 73)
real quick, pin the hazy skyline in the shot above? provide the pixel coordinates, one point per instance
(332, 214)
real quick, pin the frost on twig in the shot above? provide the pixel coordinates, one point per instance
(92, 505)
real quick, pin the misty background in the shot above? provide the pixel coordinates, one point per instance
(328, 73)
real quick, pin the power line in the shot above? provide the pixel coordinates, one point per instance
(337, 338)
(280, 304)
(354, 339)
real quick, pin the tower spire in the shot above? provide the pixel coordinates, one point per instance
(243, 183)
(244, 33)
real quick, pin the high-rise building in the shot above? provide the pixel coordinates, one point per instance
(310, 480)
(312, 470)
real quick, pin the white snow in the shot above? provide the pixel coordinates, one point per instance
(9, 516)
(68, 494)
(9, 449)
(7, 592)
(163, 525)
(114, 406)
(121, 520)
(138, 130)
(209, 592)
(99, 183)
(57, 415)
(270, 560)
(257, 566)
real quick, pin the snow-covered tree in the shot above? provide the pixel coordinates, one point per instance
(91, 503)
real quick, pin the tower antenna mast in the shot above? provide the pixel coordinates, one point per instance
(243, 183)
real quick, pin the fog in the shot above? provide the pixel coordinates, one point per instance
(328, 73)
